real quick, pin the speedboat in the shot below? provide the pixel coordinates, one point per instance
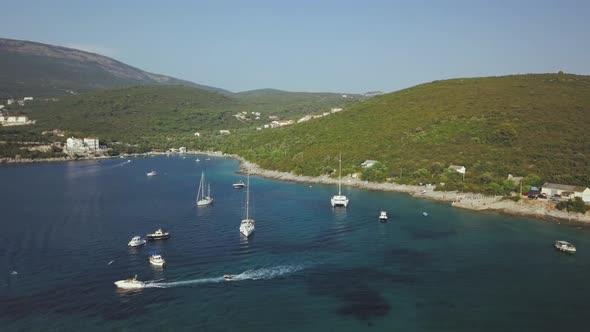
(239, 185)
(156, 258)
(227, 276)
(425, 214)
(130, 283)
(152, 173)
(158, 235)
(565, 247)
(383, 216)
(136, 241)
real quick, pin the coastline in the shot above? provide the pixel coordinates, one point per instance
(538, 209)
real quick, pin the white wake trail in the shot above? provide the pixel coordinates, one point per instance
(256, 274)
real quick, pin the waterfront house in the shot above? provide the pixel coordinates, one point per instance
(567, 191)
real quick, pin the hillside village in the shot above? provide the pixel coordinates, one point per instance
(14, 120)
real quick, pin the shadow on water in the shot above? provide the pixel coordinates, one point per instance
(357, 289)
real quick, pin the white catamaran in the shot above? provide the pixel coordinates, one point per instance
(247, 226)
(339, 200)
(203, 199)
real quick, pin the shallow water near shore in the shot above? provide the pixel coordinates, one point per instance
(307, 266)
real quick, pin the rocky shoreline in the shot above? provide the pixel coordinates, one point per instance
(539, 209)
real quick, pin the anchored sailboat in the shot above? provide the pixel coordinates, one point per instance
(339, 200)
(203, 199)
(247, 226)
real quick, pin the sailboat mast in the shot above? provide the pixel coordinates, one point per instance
(201, 190)
(248, 197)
(340, 174)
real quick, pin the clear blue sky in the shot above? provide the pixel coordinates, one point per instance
(314, 45)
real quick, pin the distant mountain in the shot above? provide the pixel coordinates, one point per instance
(35, 69)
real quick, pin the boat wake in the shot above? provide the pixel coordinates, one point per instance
(258, 274)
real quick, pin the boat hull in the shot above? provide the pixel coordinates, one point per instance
(382, 219)
(157, 237)
(129, 285)
(339, 201)
(206, 201)
(137, 244)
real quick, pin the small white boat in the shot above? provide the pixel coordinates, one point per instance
(227, 276)
(197, 160)
(156, 259)
(130, 283)
(158, 235)
(136, 241)
(207, 159)
(239, 185)
(383, 216)
(152, 173)
(425, 214)
(565, 247)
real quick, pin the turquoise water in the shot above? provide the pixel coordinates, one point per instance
(307, 267)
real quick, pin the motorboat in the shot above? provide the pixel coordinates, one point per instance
(136, 241)
(152, 173)
(239, 185)
(158, 235)
(156, 258)
(383, 216)
(339, 200)
(197, 160)
(130, 283)
(227, 276)
(565, 247)
(425, 214)
(247, 226)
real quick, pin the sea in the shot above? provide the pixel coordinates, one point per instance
(64, 229)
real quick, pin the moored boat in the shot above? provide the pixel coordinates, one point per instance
(158, 235)
(130, 283)
(239, 185)
(565, 246)
(152, 173)
(136, 241)
(339, 200)
(383, 216)
(247, 226)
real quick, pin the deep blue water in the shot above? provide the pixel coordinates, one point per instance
(308, 267)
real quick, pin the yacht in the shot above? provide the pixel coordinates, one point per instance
(158, 235)
(130, 283)
(239, 185)
(565, 247)
(247, 226)
(339, 200)
(383, 216)
(152, 173)
(202, 198)
(136, 241)
(156, 258)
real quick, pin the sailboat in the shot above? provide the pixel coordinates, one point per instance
(339, 200)
(247, 225)
(203, 199)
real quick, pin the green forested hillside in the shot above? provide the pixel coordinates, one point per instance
(526, 125)
(293, 104)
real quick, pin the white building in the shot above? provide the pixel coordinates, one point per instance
(1, 107)
(91, 143)
(27, 98)
(182, 149)
(305, 118)
(458, 169)
(567, 191)
(368, 163)
(336, 110)
(9, 101)
(75, 145)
